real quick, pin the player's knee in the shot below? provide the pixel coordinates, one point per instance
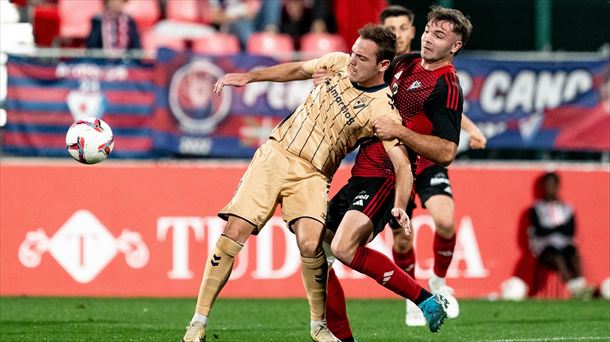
(237, 230)
(309, 248)
(401, 245)
(342, 252)
(445, 227)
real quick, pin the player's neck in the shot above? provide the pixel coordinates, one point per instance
(372, 82)
(433, 65)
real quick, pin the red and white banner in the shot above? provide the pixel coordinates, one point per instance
(145, 229)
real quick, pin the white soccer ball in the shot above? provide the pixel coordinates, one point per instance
(513, 288)
(89, 140)
(604, 288)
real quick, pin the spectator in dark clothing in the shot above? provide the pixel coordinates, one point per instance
(551, 235)
(296, 20)
(113, 30)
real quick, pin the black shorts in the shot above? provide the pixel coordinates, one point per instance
(370, 195)
(433, 181)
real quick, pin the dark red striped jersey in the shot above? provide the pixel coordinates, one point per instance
(430, 102)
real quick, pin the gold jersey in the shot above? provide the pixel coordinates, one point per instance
(336, 115)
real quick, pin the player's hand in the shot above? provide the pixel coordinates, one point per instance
(477, 140)
(386, 129)
(401, 217)
(236, 80)
(320, 75)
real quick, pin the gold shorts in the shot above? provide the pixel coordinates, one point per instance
(277, 176)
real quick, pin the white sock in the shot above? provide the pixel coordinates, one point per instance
(436, 283)
(315, 324)
(576, 284)
(200, 318)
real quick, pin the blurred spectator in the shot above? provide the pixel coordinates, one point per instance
(45, 20)
(113, 30)
(551, 233)
(297, 19)
(244, 17)
(324, 20)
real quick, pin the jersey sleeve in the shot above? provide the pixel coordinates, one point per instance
(334, 61)
(387, 109)
(444, 108)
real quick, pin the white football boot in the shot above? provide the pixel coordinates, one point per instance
(414, 316)
(438, 285)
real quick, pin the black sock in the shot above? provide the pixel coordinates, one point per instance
(423, 295)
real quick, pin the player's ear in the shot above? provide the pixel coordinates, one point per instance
(384, 65)
(456, 47)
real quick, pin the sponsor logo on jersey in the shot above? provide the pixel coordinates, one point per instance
(359, 104)
(415, 85)
(342, 107)
(397, 75)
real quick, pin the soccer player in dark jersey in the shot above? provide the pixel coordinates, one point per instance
(432, 181)
(295, 165)
(429, 99)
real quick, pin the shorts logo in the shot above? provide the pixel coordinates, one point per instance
(362, 196)
(192, 101)
(83, 247)
(439, 178)
(448, 190)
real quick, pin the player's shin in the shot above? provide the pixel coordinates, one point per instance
(314, 273)
(217, 271)
(336, 313)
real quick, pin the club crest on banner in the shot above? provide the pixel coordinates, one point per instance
(87, 100)
(83, 247)
(191, 97)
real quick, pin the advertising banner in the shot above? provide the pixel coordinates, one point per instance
(146, 229)
(46, 96)
(169, 109)
(538, 103)
(190, 120)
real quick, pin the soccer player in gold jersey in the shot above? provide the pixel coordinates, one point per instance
(295, 165)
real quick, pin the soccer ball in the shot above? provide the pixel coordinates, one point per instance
(513, 288)
(89, 140)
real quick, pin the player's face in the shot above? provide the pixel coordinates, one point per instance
(439, 42)
(363, 67)
(116, 6)
(404, 30)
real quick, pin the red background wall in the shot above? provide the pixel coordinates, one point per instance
(154, 200)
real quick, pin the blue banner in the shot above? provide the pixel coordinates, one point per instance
(538, 104)
(168, 109)
(45, 97)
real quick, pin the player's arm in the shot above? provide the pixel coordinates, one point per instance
(284, 72)
(404, 184)
(404, 175)
(477, 139)
(444, 109)
(434, 148)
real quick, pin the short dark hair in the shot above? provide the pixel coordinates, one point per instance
(383, 37)
(551, 175)
(461, 24)
(396, 11)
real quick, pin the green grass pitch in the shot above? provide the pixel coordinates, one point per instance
(143, 319)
